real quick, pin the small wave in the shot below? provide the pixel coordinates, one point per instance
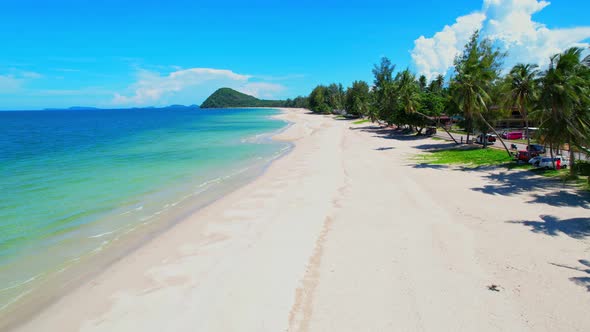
(200, 191)
(216, 180)
(19, 284)
(253, 139)
(15, 299)
(101, 235)
(139, 208)
(101, 247)
(146, 218)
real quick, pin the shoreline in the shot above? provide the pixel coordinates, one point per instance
(88, 267)
(346, 233)
(85, 284)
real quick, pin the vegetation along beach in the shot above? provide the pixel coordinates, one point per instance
(233, 171)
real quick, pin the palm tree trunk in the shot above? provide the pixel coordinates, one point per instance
(496, 133)
(572, 161)
(527, 133)
(551, 153)
(443, 127)
(448, 133)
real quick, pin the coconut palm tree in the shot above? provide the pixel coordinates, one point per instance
(564, 102)
(409, 95)
(408, 92)
(522, 91)
(437, 84)
(476, 71)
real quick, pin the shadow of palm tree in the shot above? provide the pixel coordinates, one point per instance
(371, 128)
(561, 198)
(399, 136)
(436, 146)
(577, 228)
(430, 166)
(550, 191)
(390, 133)
(580, 281)
(385, 148)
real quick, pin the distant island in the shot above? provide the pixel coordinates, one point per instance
(229, 98)
(73, 108)
(86, 108)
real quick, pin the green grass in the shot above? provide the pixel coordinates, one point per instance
(563, 175)
(340, 117)
(471, 157)
(361, 121)
(437, 138)
(483, 157)
(515, 165)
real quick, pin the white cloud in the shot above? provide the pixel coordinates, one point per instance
(9, 84)
(15, 79)
(30, 74)
(86, 91)
(507, 22)
(189, 86)
(434, 56)
(512, 26)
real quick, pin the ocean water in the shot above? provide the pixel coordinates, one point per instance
(74, 182)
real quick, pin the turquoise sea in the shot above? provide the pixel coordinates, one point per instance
(72, 183)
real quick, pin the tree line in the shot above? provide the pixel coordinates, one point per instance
(477, 93)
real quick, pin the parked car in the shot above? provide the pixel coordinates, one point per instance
(536, 148)
(525, 156)
(535, 160)
(546, 163)
(491, 139)
(512, 135)
(430, 131)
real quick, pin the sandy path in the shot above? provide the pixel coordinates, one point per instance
(415, 248)
(345, 234)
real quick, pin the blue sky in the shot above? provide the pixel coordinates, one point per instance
(142, 53)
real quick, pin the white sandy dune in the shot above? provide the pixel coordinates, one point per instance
(346, 233)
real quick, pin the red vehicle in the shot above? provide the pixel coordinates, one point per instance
(491, 139)
(512, 135)
(525, 156)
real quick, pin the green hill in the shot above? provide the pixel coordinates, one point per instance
(229, 98)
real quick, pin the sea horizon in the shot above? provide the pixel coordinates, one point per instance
(97, 108)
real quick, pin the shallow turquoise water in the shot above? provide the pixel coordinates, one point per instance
(72, 181)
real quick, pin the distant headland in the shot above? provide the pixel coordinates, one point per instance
(228, 98)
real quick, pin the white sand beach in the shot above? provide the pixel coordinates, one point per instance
(347, 233)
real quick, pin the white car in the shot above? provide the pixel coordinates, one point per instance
(534, 160)
(546, 163)
(491, 139)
